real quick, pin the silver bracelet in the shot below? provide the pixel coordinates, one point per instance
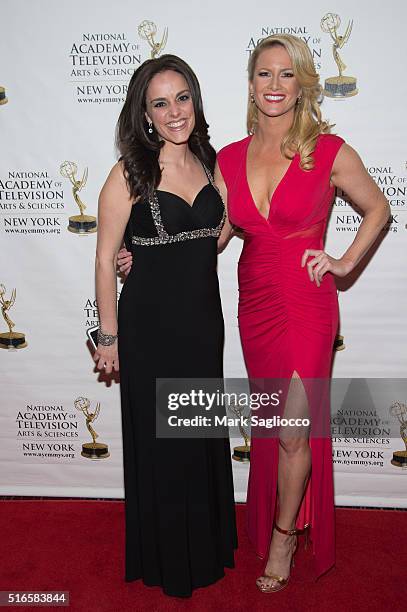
(106, 339)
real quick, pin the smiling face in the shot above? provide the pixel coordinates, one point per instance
(169, 106)
(274, 86)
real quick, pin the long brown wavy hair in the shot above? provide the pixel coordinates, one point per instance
(140, 150)
(308, 123)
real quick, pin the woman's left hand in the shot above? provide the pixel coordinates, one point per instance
(322, 263)
(124, 260)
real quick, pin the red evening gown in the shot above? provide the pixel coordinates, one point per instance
(287, 324)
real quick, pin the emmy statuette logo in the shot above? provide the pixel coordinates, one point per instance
(11, 339)
(91, 450)
(78, 224)
(147, 31)
(3, 97)
(241, 453)
(399, 411)
(339, 344)
(340, 86)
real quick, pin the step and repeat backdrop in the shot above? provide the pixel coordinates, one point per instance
(64, 70)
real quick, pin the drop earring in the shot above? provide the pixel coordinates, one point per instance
(252, 98)
(150, 128)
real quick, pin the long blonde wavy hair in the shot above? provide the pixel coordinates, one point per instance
(308, 123)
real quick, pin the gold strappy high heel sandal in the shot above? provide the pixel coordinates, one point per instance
(281, 581)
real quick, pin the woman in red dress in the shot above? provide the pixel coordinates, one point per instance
(279, 183)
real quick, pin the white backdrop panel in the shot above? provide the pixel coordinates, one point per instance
(62, 106)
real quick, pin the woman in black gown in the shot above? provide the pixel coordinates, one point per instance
(180, 523)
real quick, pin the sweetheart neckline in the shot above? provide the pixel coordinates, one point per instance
(181, 198)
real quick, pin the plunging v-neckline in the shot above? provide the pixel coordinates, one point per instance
(275, 189)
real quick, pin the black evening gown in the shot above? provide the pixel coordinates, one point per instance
(179, 502)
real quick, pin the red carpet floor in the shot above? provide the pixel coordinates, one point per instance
(77, 546)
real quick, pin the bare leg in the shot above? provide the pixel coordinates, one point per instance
(293, 471)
